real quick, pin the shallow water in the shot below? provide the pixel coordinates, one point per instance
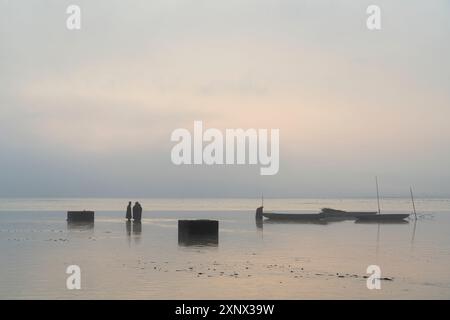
(292, 261)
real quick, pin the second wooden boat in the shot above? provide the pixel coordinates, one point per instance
(384, 217)
(325, 214)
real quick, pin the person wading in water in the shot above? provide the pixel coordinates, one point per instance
(128, 215)
(137, 212)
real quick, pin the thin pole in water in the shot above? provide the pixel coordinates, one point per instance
(378, 195)
(412, 199)
(262, 199)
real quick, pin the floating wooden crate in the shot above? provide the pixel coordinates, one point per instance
(80, 216)
(198, 232)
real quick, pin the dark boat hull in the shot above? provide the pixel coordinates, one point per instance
(293, 216)
(384, 217)
(348, 214)
(343, 215)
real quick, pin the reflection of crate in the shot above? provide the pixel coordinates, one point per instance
(198, 232)
(80, 216)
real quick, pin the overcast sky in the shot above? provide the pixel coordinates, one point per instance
(90, 112)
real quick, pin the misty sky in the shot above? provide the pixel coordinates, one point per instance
(90, 112)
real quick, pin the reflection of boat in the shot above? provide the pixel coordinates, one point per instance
(384, 217)
(259, 223)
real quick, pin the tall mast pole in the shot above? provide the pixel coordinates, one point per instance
(412, 199)
(378, 195)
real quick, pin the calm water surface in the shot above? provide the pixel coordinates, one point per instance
(275, 260)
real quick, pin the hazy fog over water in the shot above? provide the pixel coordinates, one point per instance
(90, 112)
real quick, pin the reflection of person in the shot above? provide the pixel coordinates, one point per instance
(137, 211)
(128, 227)
(137, 228)
(128, 215)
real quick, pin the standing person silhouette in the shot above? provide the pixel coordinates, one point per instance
(128, 215)
(137, 212)
(138, 216)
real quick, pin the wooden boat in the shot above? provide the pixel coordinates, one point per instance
(384, 217)
(362, 221)
(334, 214)
(326, 213)
(292, 216)
(80, 216)
(341, 214)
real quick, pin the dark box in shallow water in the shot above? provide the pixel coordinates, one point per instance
(198, 227)
(80, 216)
(198, 232)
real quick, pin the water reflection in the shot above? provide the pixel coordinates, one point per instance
(185, 239)
(133, 230)
(128, 227)
(80, 225)
(413, 234)
(259, 224)
(137, 228)
(379, 224)
(200, 232)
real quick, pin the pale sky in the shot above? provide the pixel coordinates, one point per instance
(89, 113)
